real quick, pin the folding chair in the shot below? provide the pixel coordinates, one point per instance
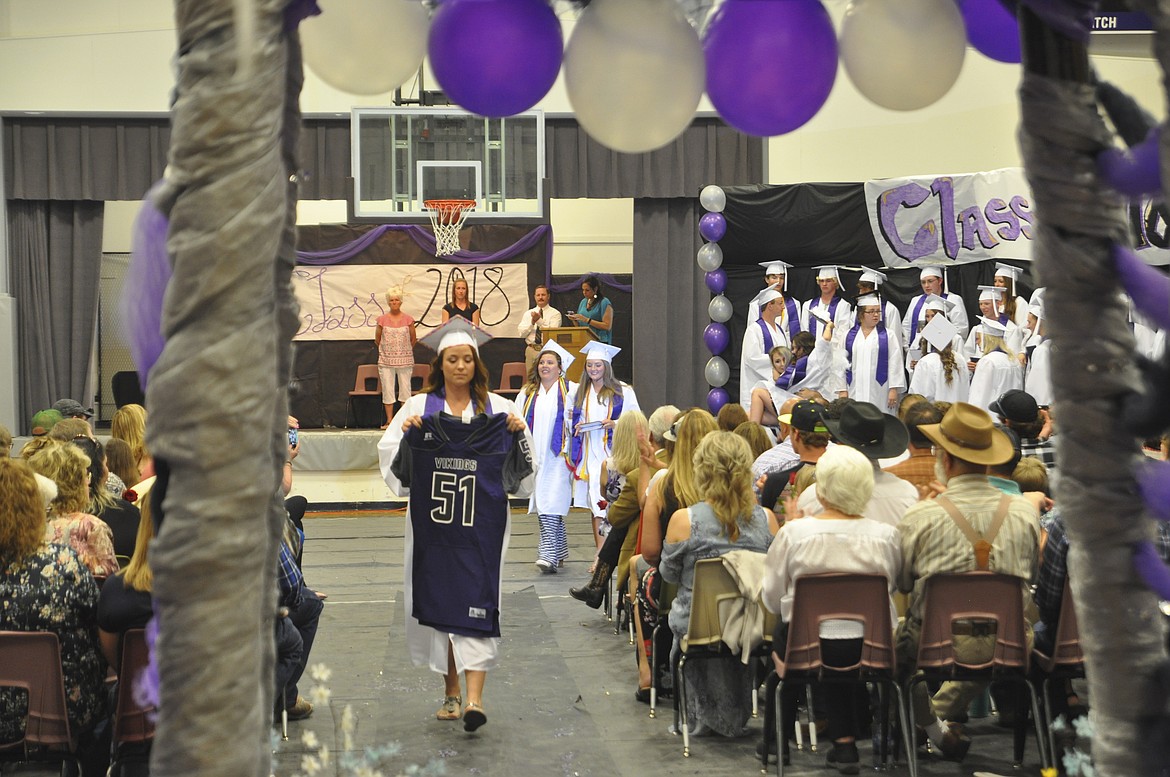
(976, 597)
(361, 387)
(512, 377)
(852, 597)
(418, 377)
(666, 593)
(133, 724)
(32, 661)
(1067, 662)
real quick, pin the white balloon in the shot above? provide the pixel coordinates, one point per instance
(710, 257)
(903, 54)
(634, 72)
(719, 309)
(713, 199)
(366, 46)
(716, 372)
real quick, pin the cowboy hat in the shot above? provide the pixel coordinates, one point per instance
(966, 432)
(866, 428)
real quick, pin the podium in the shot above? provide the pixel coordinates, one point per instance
(571, 338)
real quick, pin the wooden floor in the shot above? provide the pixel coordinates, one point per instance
(562, 701)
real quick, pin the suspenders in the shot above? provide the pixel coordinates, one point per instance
(981, 543)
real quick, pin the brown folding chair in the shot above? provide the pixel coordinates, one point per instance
(32, 661)
(418, 377)
(976, 597)
(133, 724)
(852, 597)
(365, 384)
(1067, 661)
(512, 377)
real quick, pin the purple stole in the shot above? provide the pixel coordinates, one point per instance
(557, 443)
(793, 373)
(883, 367)
(917, 312)
(436, 400)
(768, 344)
(577, 446)
(793, 319)
(812, 320)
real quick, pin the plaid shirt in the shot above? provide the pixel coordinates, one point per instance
(917, 470)
(1043, 449)
(288, 575)
(1054, 565)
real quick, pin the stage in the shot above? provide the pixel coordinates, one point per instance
(338, 469)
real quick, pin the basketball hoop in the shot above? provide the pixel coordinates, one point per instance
(447, 217)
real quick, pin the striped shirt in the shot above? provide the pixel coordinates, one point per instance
(932, 544)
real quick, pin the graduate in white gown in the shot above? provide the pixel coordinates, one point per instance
(871, 282)
(597, 404)
(457, 385)
(939, 374)
(875, 373)
(544, 401)
(769, 395)
(759, 338)
(998, 368)
(991, 307)
(1038, 378)
(1007, 278)
(933, 281)
(776, 277)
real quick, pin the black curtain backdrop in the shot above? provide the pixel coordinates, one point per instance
(623, 325)
(812, 224)
(324, 370)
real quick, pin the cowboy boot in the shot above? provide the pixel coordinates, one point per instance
(594, 592)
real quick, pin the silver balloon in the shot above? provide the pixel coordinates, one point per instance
(719, 309)
(716, 372)
(366, 46)
(903, 54)
(713, 198)
(710, 257)
(634, 73)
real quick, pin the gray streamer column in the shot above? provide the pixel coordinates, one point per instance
(217, 398)
(1078, 219)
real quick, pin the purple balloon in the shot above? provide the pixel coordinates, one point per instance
(1148, 288)
(992, 29)
(716, 280)
(716, 399)
(716, 337)
(712, 226)
(1134, 172)
(770, 63)
(495, 57)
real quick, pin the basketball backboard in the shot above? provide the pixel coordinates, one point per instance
(403, 156)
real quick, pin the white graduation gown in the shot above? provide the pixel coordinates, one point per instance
(865, 386)
(428, 646)
(930, 380)
(957, 316)
(994, 374)
(754, 362)
(554, 477)
(893, 320)
(824, 370)
(781, 320)
(594, 450)
(1038, 381)
(1013, 338)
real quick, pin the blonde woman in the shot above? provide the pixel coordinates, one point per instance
(69, 524)
(997, 370)
(939, 374)
(727, 518)
(129, 424)
(125, 601)
(395, 337)
(461, 304)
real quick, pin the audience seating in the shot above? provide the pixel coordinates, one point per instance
(418, 378)
(512, 377)
(361, 387)
(854, 597)
(32, 661)
(976, 596)
(1067, 662)
(666, 592)
(133, 724)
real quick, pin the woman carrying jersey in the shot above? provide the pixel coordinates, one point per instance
(597, 405)
(544, 400)
(458, 385)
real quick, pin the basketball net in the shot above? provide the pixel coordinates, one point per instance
(447, 217)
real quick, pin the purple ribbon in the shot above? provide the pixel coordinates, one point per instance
(793, 319)
(768, 344)
(426, 240)
(883, 368)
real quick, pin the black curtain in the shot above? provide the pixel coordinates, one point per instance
(55, 251)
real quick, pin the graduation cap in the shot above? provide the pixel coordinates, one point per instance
(776, 267)
(869, 300)
(767, 295)
(993, 326)
(1037, 310)
(994, 294)
(941, 304)
(874, 277)
(595, 349)
(554, 347)
(1007, 271)
(457, 331)
(826, 271)
(933, 271)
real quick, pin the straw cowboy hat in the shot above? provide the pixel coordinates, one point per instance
(967, 432)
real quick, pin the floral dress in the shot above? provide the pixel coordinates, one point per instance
(50, 590)
(90, 536)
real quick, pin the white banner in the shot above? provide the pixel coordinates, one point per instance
(343, 302)
(951, 219)
(955, 219)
